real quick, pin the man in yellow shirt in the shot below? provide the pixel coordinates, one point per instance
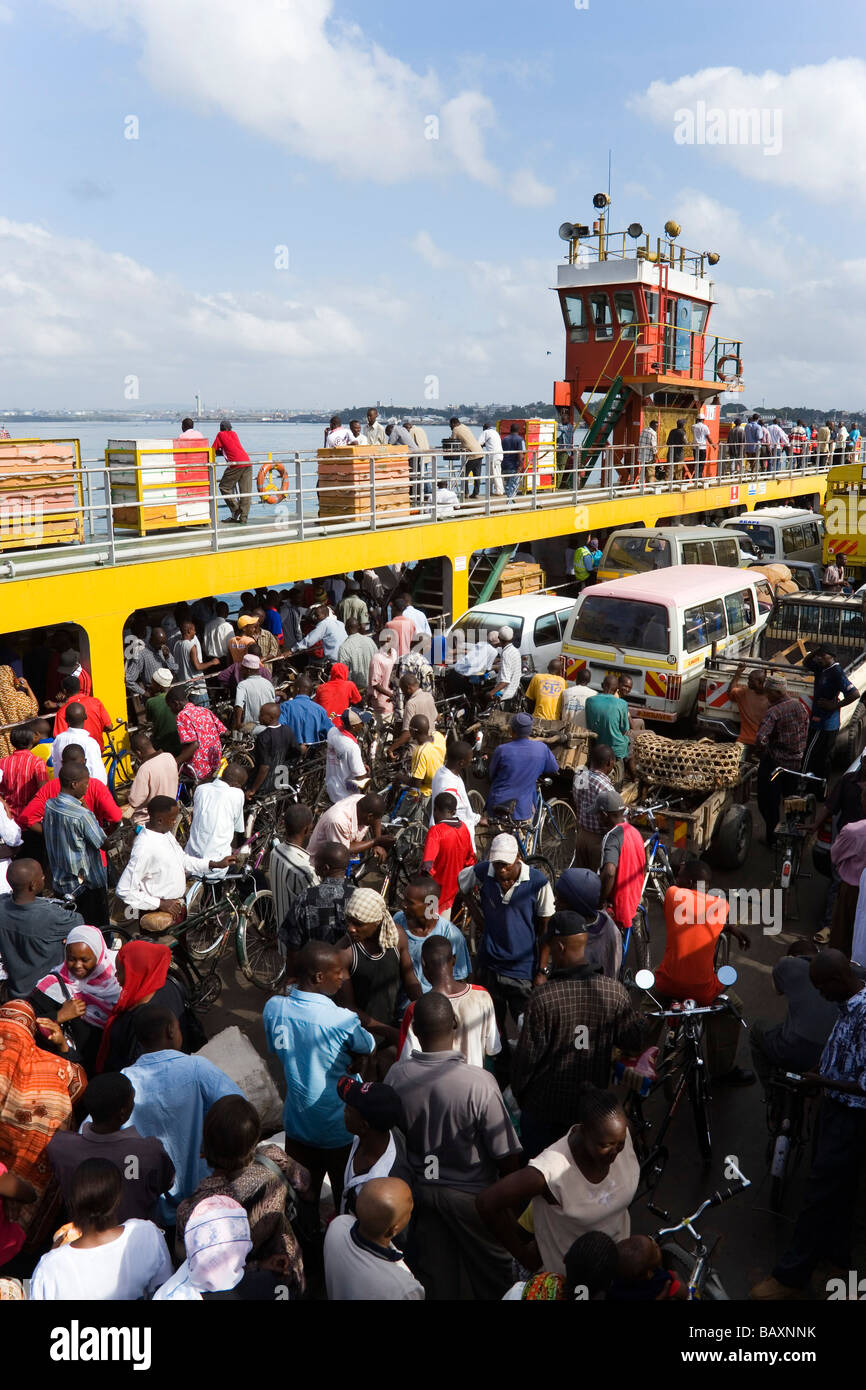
(428, 754)
(546, 692)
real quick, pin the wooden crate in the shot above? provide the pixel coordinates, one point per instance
(40, 493)
(520, 577)
(344, 481)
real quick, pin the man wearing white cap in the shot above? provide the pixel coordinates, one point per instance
(159, 715)
(253, 691)
(510, 666)
(512, 903)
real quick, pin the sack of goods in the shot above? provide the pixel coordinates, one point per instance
(689, 765)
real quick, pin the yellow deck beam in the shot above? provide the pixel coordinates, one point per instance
(101, 600)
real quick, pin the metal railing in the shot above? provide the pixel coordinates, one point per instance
(372, 498)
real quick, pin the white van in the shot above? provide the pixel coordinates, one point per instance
(781, 534)
(538, 621)
(659, 629)
(644, 550)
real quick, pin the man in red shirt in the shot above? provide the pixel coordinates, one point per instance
(97, 798)
(447, 850)
(236, 483)
(21, 772)
(97, 719)
(336, 694)
(623, 860)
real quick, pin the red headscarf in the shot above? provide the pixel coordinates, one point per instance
(337, 693)
(145, 969)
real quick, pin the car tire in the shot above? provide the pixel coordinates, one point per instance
(733, 839)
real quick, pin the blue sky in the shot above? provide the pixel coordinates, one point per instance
(301, 124)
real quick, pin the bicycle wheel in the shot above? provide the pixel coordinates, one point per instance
(637, 955)
(260, 953)
(405, 859)
(538, 861)
(661, 875)
(723, 951)
(120, 773)
(208, 922)
(477, 801)
(242, 756)
(558, 834)
(699, 1099)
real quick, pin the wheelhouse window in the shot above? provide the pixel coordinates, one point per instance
(575, 317)
(602, 322)
(626, 313)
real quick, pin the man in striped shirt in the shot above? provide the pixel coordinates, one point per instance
(588, 782)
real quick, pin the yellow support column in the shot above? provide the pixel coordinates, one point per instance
(105, 631)
(459, 585)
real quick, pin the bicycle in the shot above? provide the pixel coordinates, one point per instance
(798, 813)
(242, 909)
(788, 1122)
(118, 761)
(549, 835)
(406, 854)
(681, 1073)
(694, 1268)
(658, 878)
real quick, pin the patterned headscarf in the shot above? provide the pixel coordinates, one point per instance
(217, 1243)
(367, 906)
(100, 990)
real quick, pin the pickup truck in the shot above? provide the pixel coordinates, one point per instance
(797, 626)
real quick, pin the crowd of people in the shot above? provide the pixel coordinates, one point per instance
(450, 1130)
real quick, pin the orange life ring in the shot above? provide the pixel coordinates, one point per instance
(735, 374)
(268, 491)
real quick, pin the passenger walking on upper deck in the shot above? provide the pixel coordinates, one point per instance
(676, 446)
(236, 483)
(513, 451)
(701, 441)
(491, 443)
(647, 452)
(753, 432)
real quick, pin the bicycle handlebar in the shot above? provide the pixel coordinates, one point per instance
(686, 1012)
(716, 1200)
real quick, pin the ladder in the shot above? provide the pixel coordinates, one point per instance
(486, 572)
(605, 418)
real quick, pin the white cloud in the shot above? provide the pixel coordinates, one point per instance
(528, 191)
(810, 133)
(291, 72)
(423, 245)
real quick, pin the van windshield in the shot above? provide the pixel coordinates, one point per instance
(637, 554)
(621, 622)
(479, 623)
(760, 535)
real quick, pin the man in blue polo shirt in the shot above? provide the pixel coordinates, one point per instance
(512, 904)
(831, 691)
(516, 767)
(316, 1042)
(308, 721)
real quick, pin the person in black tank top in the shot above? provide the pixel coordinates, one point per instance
(376, 954)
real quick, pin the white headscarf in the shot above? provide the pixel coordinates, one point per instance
(100, 990)
(217, 1242)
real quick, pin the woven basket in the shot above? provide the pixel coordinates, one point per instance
(698, 765)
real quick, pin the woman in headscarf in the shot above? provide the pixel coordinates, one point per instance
(260, 1177)
(37, 1091)
(217, 1242)
(142, 973)
(17, 703)
(82, 991)
(579, 890)
(378, 960)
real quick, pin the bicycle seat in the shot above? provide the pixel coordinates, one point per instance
(507, 809)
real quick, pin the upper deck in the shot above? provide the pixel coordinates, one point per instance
(100, 580)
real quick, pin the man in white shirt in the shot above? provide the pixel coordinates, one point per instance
(217, 633)
(328, 630)
(647, 451)
(362, 1262)
(778, 441)
(701, 440)
(76, 733)
(337, 436)
(510, 666)
(344, 765)
(574, 698)
(449, 778)
(419, 619)
(491, 443)
(253, 691)
(447, 500)
(355, 431)
(375, 432)
(154, 880)
(217, 816)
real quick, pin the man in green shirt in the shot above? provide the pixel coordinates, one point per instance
(607, 717)
(165, 735)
